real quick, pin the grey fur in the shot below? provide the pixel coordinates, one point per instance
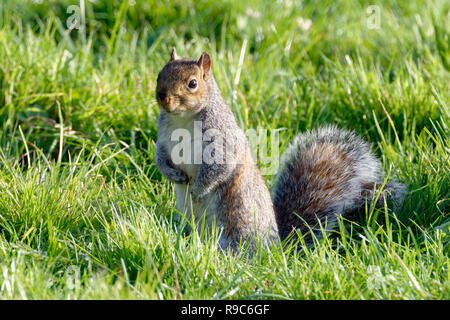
(312, 188)
(232, 194)
(325, 173)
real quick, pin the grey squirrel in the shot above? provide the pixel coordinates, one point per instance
(325, 173)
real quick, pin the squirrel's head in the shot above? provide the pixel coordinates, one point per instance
(182, 85)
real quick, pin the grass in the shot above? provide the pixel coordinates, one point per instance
(84, 213)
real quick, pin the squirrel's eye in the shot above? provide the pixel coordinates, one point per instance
(192, 84)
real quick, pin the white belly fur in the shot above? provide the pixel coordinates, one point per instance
(190, 168)
(203, 209)
(206, 207)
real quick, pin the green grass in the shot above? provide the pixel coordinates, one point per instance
(84, 213)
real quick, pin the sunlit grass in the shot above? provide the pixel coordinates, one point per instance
(84, 213)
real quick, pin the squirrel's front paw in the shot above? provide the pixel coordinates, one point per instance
(177, 176)
(195, 197)
(197, 193)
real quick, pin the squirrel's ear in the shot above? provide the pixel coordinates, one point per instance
(173, 55)
(205, 64)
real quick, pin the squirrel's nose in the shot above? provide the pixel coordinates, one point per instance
(164, 98)
(161, 96)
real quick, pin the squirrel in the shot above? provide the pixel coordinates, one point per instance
(325, 173)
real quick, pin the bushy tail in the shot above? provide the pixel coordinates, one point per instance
(326, 173)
